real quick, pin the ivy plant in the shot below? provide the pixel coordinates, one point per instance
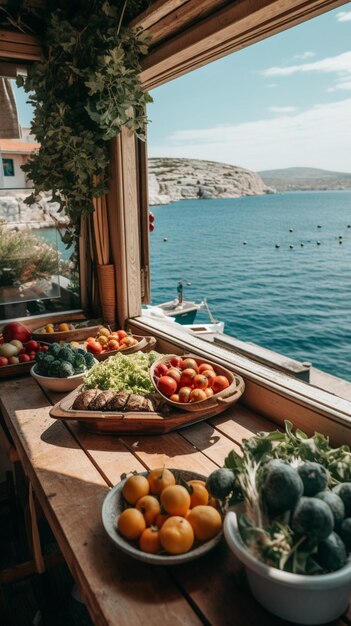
(83, 91)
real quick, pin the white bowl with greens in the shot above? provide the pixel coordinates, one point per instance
(62, 368)
(289, 522)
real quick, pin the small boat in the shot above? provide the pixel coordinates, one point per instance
(184, 313)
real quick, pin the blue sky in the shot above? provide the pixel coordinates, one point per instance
(283, 102)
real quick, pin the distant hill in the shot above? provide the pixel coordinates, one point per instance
(172, 179)
(305, 179)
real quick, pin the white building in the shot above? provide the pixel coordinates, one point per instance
(13, 154)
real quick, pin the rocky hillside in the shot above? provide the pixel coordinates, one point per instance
(306, 179)
(179, 179)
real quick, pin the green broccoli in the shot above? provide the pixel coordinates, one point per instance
(79, 363)
(54, 367)
(65, 369)
(344, 491)
(335, 503)
(81, 351)
(54, 349)
(66, 355)
(345, 532)
(331, 553)
(312, 517)
(314, 477)
(282, 487)
(89, 360)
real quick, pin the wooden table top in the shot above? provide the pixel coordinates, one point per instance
(72, 471)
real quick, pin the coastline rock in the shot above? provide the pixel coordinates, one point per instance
(171, 180)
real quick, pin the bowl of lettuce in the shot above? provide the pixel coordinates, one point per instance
(289, 523)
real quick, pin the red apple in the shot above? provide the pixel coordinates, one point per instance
(3, 360)
(16, 330)
(32, 346)
(24, 358)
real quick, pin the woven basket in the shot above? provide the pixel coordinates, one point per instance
(107, 288)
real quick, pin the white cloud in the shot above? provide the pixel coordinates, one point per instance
(344, 16)
(305, 55)
(344, 85)
(282, 109)
(339, 63)
(317, 137)
(272, 85)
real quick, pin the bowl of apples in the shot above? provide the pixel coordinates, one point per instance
(192, 384)
(108, 342)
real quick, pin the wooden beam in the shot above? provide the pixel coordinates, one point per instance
(155, 12)
(15, 45)
(232, 28)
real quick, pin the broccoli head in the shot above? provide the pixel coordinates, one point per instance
(89, 359)
(79, 363)
(282, 487)
(335, 503)
(65, 370)
(345, 532)
(312, 517)
(331, 554)
(314, 477)
(53, 369)
(66, 355)
(54, 349)
(344, 491)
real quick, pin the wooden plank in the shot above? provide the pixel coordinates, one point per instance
(71, 492)
(15, 45)
(155, 12)
(232, 28)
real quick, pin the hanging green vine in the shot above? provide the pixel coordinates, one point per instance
(83, 91)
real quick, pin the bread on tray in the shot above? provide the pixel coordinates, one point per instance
(97, 400)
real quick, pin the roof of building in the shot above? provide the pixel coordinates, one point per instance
(19, 146)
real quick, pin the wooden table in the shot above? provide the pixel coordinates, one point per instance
(71, 472)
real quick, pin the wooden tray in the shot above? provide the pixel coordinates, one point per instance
(151, 423)
(78, 334)
(17, 369)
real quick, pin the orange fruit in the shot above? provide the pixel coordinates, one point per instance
(206, 522)
(176, 535)
(199, 494)
(131, 524)
(159, 479)
(150, 540)
(175, 500)
(205, 366)
(149, 506)
(135, 488)
(215, 503)
(160, 519)
(63, 326)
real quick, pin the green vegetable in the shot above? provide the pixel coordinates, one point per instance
(89, 359)
(79, 363)
(331, 553)
(312, 518)
(65, 369)
(54, 349)
(120, 372)
(345, 532)
(66, 354)
(281, 488)
(344, 491)
(220, 483)
(54, 368)
(335, 504)
(313, 476)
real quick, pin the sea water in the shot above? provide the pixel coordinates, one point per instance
(274, 268)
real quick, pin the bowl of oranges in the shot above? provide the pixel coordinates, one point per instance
(190, 383)
(164, 516)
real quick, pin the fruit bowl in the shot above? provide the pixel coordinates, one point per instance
(52, 383)
(314, 599)
(78, 330)
(113, 506)
(144, 344)
(227, 396)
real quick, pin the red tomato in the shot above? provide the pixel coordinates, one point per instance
(209, 392)
(94, 346)
(197, 395)
(200, 381)
(24, 358)
(22, 351)
(210, 375)
(175, 397)
(3, 360)
(32, 346)
(32, 355)
(90, 339)
(113, 344)
(184, 394)
(13, 360)
(190, 363)
(167, 385)
(173, 372)
(160, 370)
(177, 361)
(187, 377)
(121, 334)
(43, 348)
(219, 383)
(205, 366)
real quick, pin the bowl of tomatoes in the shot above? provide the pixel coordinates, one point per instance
(163, 516)
(192, 383)
(108, 342)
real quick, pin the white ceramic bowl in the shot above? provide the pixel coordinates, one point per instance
(113, 506)
(58, 384)
(294, 597)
